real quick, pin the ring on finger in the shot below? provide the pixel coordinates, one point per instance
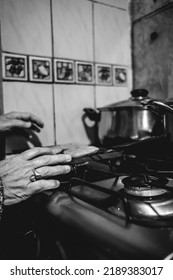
(35, 176)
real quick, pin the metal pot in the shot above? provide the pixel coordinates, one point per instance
(169, 121)
(137, 118)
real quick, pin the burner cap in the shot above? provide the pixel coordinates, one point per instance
(145, 185)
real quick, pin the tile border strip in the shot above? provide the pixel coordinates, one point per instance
(29, 68)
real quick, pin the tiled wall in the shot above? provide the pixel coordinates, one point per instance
(60, 56)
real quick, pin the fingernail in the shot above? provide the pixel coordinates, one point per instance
(67, 168)
(57, 184)
(68, 157)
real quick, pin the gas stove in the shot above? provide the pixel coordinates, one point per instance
(137, 189)
(120, 202)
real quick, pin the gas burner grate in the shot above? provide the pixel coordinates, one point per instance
(145, 185)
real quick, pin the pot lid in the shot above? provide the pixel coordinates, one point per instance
(133, 101)
(169, 101)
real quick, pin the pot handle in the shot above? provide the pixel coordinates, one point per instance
(93, 114)
(155, 104)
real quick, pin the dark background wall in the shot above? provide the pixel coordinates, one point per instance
(152, 45)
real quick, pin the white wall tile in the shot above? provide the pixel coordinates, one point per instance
(69, 104)
(72, 29)
(108, 95)
(112, 35)
(34, 98)
(26, 26)
(116, 3)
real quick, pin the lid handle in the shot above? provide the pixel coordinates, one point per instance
(139, 93)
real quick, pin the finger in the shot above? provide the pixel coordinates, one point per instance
(50, 160)
(17, 123)
(33, 118)
(56, 149)
(43, 185)
(50, 171)
(11, 115)
(35, 152)
(26, 117)
(35, 128)
(14, 123)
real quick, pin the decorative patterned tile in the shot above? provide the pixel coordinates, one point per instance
(120, 76)
(103, 74)
(14, 67)
(84, 73)
(64, 71)
(40, 69)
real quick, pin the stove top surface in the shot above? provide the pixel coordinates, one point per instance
(124, 199)
(136, 188)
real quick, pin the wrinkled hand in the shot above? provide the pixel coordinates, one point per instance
(20, 120)
(17, 170)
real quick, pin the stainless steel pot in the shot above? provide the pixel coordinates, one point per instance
(169, 121)
(137, 118)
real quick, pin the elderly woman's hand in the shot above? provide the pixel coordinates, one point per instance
(17, 172)
(20, 120)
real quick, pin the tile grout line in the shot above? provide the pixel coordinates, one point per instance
(94, 56)
(53, 88)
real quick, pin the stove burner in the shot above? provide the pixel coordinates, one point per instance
(145, 185)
